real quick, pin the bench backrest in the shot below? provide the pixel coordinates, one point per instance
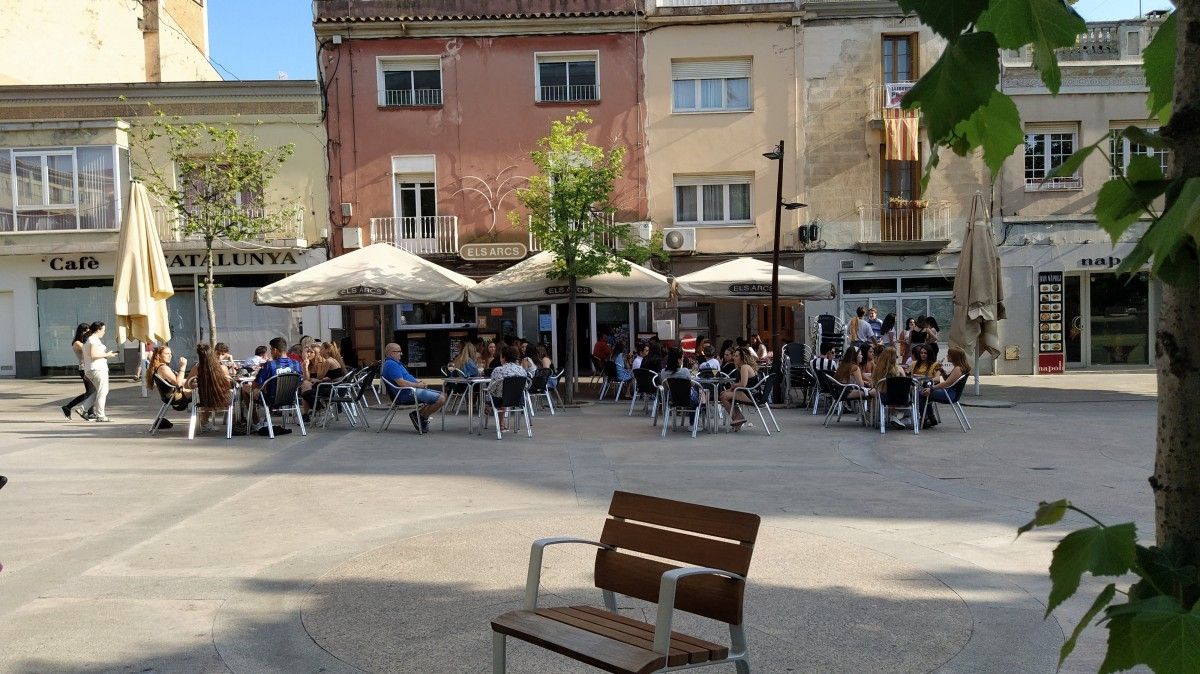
(683, 532)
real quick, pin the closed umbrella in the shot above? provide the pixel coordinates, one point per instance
(978, 290)
(529, 282)
(377, 274)
(747, 279)
(142, 282)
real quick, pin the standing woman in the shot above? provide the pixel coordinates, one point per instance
(906, 339)
(77, 345)
(931, 336)
(887, 332)
(95, 361)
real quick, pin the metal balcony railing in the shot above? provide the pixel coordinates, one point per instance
(411, 97)
(887, 96)
(171, 227)
(572, 92)
(535, 245)
(428, 235)
(878, 223)
(1054, 184)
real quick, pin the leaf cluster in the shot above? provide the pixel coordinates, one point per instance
(214, 177)
(569, 201)
(964, 111)
(1159, 623)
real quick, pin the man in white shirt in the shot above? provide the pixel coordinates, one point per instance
(826, 362)
(257, 360)
(710, 359)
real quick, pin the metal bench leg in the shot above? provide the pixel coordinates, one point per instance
(737, 643)
(774, 422)
(499, 661)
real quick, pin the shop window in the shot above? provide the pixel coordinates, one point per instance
(62, 305)
(410, 81)
(868, 286)
(1045, 149)
(567, 77)
(926, 284)
(1121, 150)
(61, 189)
(712, 85)
(713, 200)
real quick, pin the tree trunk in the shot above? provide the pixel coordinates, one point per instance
(572, 340)
(209, 302)
(1176, 478)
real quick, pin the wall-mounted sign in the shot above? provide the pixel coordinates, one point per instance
(1051, 359)
(1101, 262)
(493, 251)
(262, 259)
(559, 291)
(73, 264)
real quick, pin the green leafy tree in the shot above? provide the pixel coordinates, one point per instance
(569, 201)
(1159, 624)
(215, 180)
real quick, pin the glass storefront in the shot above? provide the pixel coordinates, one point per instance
(1106, 319)
(62, 305)
(906, 296)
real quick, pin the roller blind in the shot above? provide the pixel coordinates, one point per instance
(714, 179)
(710, 69)
(412, 63)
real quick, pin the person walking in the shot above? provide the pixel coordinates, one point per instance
(95, 362)
(77, 345)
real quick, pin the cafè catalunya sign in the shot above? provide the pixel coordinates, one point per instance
(493, 251)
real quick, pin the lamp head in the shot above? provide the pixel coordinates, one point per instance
(774, 154)
(793, 205)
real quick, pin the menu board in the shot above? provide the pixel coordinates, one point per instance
(1051, 359)
(456, 339)
(416, 350)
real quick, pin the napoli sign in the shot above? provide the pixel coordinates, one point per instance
(493, 251)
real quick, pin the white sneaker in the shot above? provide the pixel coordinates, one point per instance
(102, 419)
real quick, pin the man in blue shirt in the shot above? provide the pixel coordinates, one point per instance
(279, 363)
(395, 375)
(874, 322)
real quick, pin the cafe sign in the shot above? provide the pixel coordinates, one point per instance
(493, 251)
(355, 291)
(750, 288)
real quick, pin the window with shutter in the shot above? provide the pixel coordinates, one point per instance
(567, 76)
(410, 81)
(710, 85)
(713, 199)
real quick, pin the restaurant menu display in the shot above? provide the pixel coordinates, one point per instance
(1051, 359)
(416, 350)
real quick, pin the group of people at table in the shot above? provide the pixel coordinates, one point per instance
(877, 351)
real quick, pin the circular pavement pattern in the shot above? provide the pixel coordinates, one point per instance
(423, 604)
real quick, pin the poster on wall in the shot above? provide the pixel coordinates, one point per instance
(416, 350)
(1051, 358)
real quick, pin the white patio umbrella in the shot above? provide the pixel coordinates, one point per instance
(978, 290)
(377, 274)
(529, 282)
(746, 279)
(142, 282)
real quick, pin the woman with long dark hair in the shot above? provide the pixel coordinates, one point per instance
(212, 381)
(77, 343)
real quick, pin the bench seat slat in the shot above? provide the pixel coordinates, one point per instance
(678, 546)
(716, 651)
(597, 625)
(731, 524)
(596, 650)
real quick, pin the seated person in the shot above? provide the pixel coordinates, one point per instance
(326, 367)
(849, 372)
(467, 360)
(942, 389)
(213, 384)
(825, 363)
(279, 364)
(923, 365)
(886, 367)
(221, 350)
(258, 359)
(746, 376)
(710, 359)
(509, 367)
(653, 360)
(674, 369)
(395, 375)
(168, 382)
(619, 356)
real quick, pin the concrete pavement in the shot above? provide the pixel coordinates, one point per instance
(348, 551)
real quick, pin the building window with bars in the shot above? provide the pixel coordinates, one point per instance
(410, 81)
(1121, 150)
(713, 199)
(1045, 149)
(567, 77)
(712, 85)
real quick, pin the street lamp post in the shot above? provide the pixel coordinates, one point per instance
(780, 205)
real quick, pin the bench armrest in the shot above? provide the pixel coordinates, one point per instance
(534, 579)
(666, 600)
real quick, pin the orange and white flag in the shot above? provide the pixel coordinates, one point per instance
(901, 138)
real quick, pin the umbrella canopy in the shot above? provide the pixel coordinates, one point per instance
(529, 282)
(377, 274)
(978, 290)
(746, 279)
(142, 283)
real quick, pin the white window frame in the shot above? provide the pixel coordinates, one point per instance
(724, 180)
(697, 95)
(385, 64)
(1127, 151)
(564, 57)
(1038, 183)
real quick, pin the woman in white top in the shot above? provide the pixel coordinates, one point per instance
(95, 362)
(887, 332)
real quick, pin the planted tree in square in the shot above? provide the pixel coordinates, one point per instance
(1158, 623)
(569, 201)
(215, 179)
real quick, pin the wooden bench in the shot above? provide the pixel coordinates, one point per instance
(713, 588)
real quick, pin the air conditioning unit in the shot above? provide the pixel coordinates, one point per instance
(665, 328)
(642, 230)
(679, 239)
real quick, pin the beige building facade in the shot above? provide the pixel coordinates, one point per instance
(67, 155)
(98, 41)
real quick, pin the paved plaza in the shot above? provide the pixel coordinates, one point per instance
(348, 551)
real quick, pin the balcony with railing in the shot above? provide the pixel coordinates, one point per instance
(427, 235)
(1061, 184)
(610, 241)
(904, 227)
(286, 226)
(887, 95)
(568, 93)
(411, 98)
